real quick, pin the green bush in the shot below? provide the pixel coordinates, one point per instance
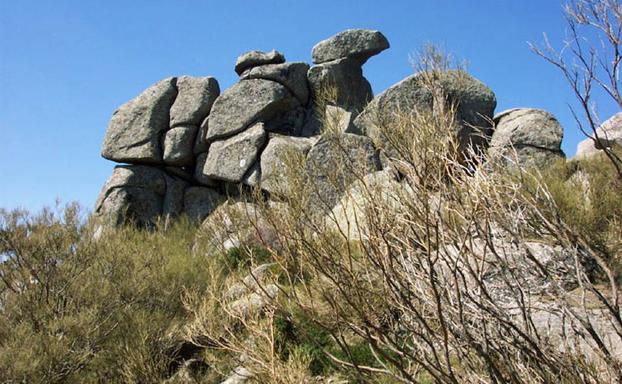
(75, 309)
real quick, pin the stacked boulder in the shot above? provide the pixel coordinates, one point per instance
(185, 146)
(338, 75)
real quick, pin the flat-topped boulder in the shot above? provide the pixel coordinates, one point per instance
(256, 58)
(177, 145)
(245, 103)
(333, 163)
(272, 171)
(357, 44)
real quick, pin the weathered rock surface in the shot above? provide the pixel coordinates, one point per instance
(200, 202)
(272, 170)
(291, 75)
(178, 143)
(358, 44)
(230, 159)
(195, 98)
(134, 131)
(290, 122)
(256, 58)
(609, 134)
(334, 162)
(339, 120)
(244, 103)
(534, 136)
(342, 83)
(140, 195)
(475, 107)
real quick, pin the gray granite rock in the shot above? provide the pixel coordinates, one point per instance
(133, 134)
(338, 120)
(230, 159)
(376, 189)
(200, 202)
(272, 170)
(195, 98)
(526, 136)
(200, 143)
(199, 174)
(244, 103)
(291, 75)
(257, 58)
(133, 194)
(359, 44)
(173, 201)
(340, 82)
(289, 122)
(178, 144)
(609, 134)
(333, 163)
(475, 105)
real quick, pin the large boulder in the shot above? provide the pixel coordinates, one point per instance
(475, 104)
(358, 44)
(195, 98)
(243, 104)
(139, 195)
(257, 58)
(134, 131)
(333, 163)
(272, 169)
(526, 136)
(291, 75)
(609, 134)
(340, 82)
(230, 159)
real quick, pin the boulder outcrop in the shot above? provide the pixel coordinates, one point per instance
(186, 146)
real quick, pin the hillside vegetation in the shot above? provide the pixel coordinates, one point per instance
(420, 291)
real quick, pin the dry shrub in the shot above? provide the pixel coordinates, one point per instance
(465, 275)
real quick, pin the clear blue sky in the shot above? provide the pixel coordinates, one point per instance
(67, 65)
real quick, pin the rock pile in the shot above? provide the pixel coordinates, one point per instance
(184, 146)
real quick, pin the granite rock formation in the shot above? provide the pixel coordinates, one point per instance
(185, 146)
